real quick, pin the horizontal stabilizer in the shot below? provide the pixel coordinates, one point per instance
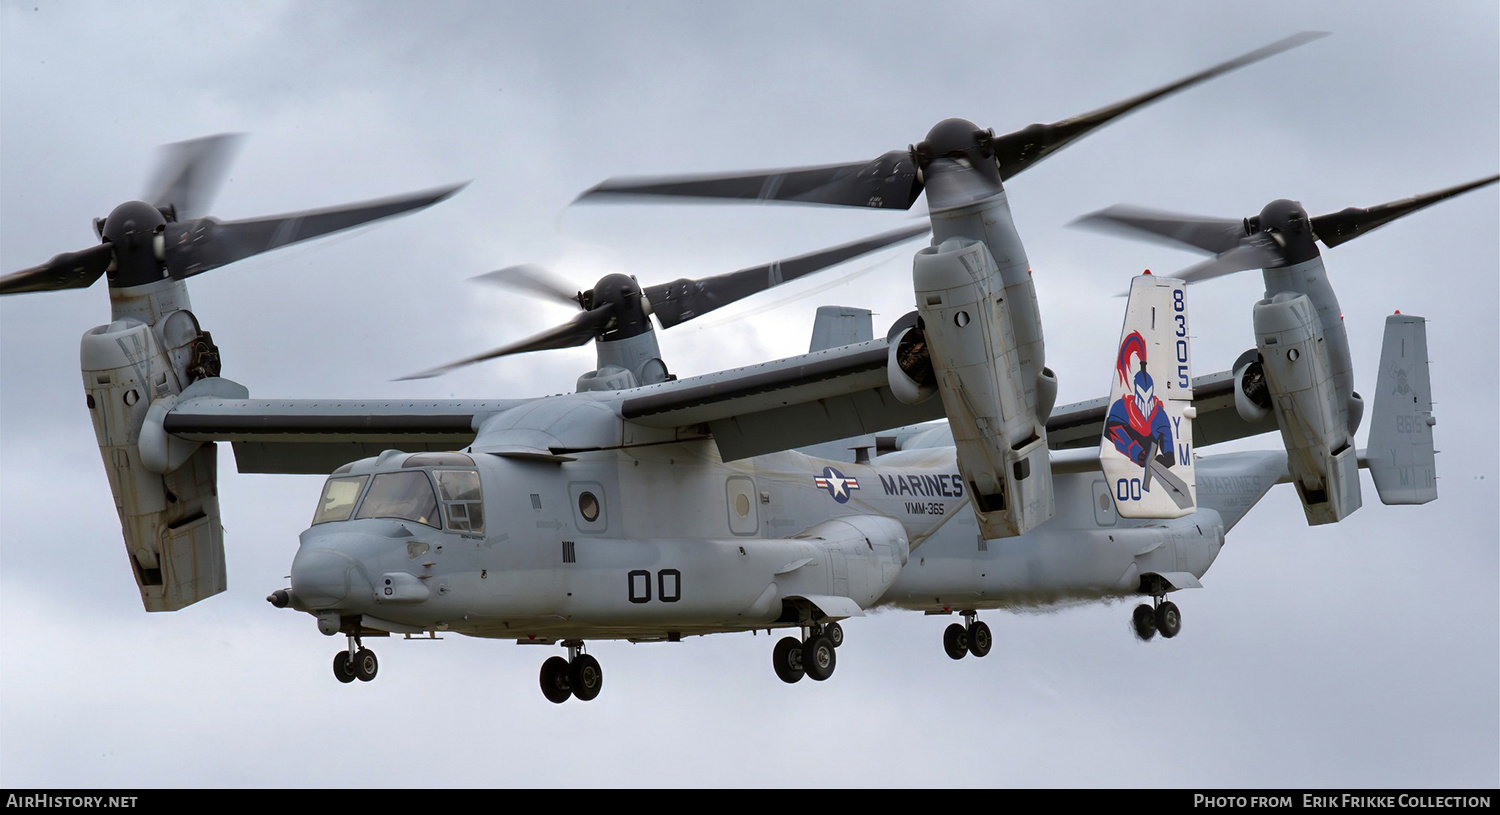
(1400, 456)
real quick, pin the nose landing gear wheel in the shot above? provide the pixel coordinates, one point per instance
(786, 658)
(365, 665)
(1168, 619)
(818, 658)
(557, 686)
(956, 641)
(1144, 622)
(585, 677)
(343, 667)
(979, 639)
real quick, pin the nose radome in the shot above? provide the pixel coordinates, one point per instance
(324, 578)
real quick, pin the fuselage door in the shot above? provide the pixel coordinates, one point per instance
(744, 511)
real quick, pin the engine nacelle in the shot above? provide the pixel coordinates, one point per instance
(1252, 397)
(1001, 443)
(1313, 418)
(166, 495)
(908, 367)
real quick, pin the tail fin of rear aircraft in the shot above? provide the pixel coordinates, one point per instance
(1400, 456)
(1147, 449)
(837, 326)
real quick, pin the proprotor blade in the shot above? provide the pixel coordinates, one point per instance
(1346, 225)
(1255, 252)
(531, 279)
(888, 182)
(682, 300)
(1018, 151)
(70, 270)
(196, 246)
(189, 173)
(583, 327)
(1209, 234)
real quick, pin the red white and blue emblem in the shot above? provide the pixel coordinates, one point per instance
(836, 484)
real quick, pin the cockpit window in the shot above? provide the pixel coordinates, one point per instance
(407, 496)
(339, 497)
(463, 503)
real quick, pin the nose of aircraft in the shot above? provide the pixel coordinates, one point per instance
(323, 577)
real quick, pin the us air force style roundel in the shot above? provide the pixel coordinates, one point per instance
(836, 484)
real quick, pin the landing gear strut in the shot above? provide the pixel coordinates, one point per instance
(357, 662)
(813, 656)
(1160, 616)
(973, 637)
(579, 675)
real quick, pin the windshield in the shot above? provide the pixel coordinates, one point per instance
(407, 496)
(339, 496)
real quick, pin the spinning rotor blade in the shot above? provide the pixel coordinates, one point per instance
(71, 270)
(1209, 234)
(1015, 152)
(888, 182)
(583, 327)
(896, 179)
(1346, 225)
(1278, 236)
(1256, 252)
(189, 173)
(682, 300)
(533, 280)
(196, 246)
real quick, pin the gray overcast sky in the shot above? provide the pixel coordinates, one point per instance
(1363, 654)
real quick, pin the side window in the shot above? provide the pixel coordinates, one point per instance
(463, 502)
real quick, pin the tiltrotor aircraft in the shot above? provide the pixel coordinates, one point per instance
(651, 508)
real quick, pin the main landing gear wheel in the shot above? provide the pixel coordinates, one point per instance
(1144, 622)
(818, 657)
(1168, 619)
(586, 677)
(557, 685)
(365, 665)
(956, 641)
(786, 658)
(343, 667)
(835, 634)
(979, 639)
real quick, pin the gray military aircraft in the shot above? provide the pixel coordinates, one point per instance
(646, 507)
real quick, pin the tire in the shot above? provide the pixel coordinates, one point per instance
(1144, 622)
(365, 665)
(819, 658)
(557, 686)
(835, 634)
(1168, 619)
(343, 667)
(956, 641)
(786, 658)
(585, 677)
(979, 639)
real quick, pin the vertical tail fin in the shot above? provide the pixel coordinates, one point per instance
(1401, 459)
(1147, 449)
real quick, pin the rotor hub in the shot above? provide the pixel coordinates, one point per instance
(130, 221)
(956, 138)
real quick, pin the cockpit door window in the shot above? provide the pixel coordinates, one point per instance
(463, 501)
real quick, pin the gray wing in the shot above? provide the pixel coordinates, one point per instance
(314, 436)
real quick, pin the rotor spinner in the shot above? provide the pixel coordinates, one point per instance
(1285, 221)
